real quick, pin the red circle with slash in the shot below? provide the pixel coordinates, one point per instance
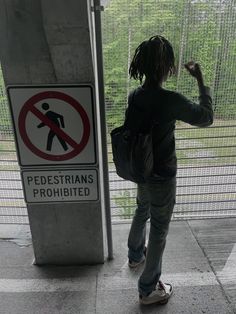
(29, 107)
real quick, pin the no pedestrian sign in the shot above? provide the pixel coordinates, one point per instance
(53, 124)
(50, 186)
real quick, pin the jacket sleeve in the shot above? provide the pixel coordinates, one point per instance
(200, 115)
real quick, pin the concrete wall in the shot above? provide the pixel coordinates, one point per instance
(49, 42)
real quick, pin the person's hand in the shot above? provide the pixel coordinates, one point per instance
(194, 69)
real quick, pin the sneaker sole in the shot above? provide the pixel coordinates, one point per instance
(160, 302)
(136, 265)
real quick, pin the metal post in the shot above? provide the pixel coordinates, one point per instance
(99, 55)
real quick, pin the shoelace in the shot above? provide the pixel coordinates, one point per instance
(161, 286)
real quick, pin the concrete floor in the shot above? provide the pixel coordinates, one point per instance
(199, 260)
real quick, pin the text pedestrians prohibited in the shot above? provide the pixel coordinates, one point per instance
(54, 124)
(47, 186)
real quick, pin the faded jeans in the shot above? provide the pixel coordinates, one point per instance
(155, 200)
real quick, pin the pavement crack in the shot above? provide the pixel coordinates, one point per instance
(19, 241)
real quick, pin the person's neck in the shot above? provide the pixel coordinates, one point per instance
(152, 84)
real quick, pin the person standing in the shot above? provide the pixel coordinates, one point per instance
(154, 62)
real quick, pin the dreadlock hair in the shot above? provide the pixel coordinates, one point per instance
(153, 58)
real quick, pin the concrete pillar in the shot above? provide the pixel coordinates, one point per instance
(50, 42)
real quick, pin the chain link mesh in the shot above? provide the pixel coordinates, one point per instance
(12, 205)
(201, 30)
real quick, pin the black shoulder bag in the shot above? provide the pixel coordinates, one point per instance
(132, 151)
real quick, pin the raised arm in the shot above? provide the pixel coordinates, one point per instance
(185, 110)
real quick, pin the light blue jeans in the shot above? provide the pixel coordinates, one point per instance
(155, 200)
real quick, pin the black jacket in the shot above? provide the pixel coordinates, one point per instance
(161, 108)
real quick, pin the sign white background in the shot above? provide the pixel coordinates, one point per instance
(33, 181)
(72, 120)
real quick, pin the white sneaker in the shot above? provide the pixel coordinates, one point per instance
(160, 295)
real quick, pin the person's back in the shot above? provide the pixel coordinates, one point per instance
(159, 108)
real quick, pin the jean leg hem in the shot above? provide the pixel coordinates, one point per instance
(145, 292)
(135, 256)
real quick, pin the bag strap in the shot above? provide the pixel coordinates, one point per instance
(131, 108)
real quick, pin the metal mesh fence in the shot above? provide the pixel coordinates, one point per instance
(202, 30)
(12, 205)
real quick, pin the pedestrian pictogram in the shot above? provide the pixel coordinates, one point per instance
(54, 124)
(58, 120)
